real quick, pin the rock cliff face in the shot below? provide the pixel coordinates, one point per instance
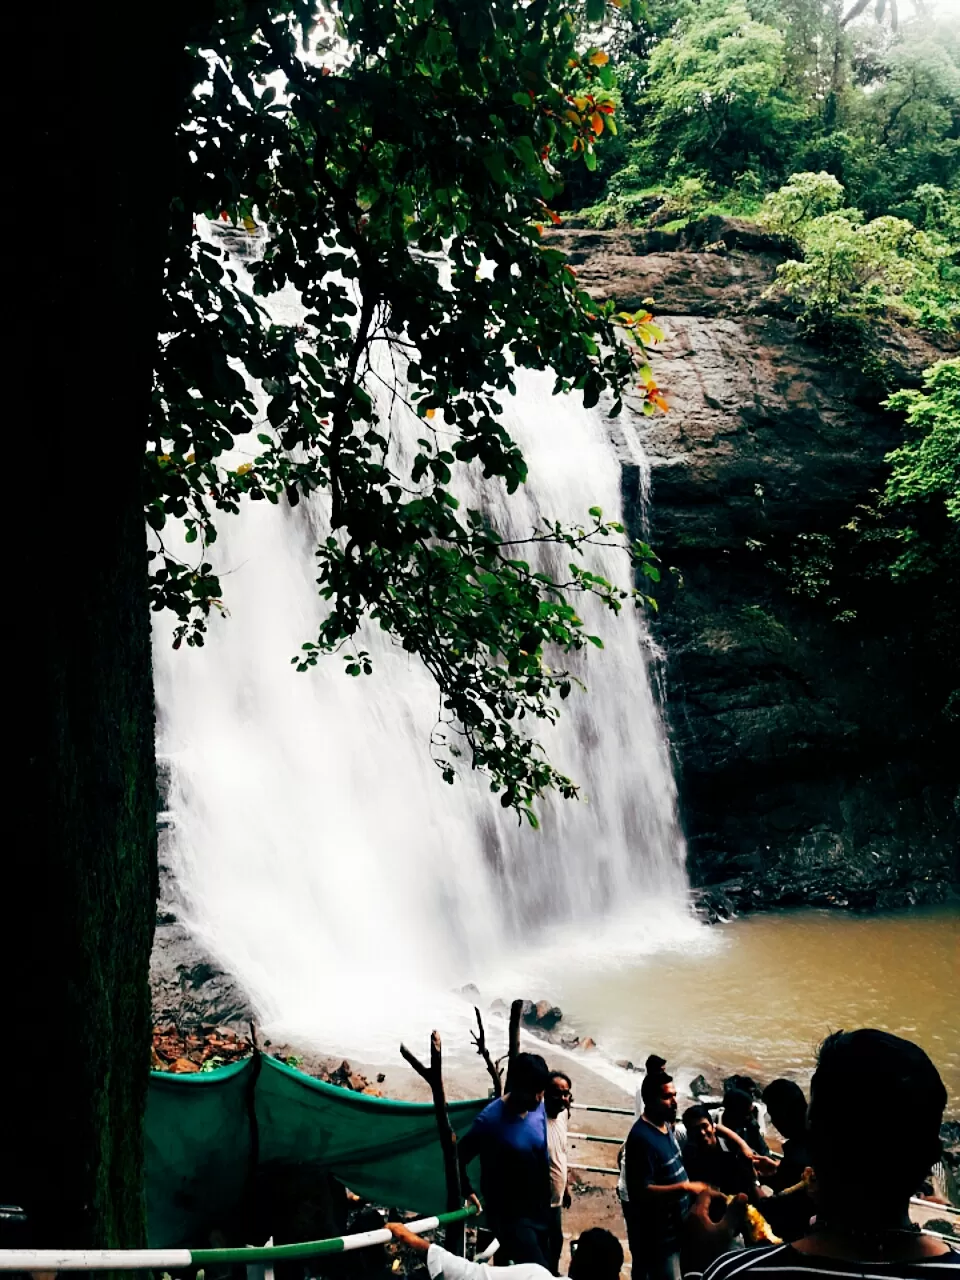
(815, 764)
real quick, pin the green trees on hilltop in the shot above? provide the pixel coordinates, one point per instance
(850, 268)
(740, 93)
(714, 100)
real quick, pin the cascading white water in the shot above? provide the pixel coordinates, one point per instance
(322, 856)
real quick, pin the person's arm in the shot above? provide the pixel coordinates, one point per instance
(741, 1144)
(704, 1238)
(468, 1148)
(673, 1189)
(439, 1261)
(641, 1169)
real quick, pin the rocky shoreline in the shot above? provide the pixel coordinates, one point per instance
(822, 888)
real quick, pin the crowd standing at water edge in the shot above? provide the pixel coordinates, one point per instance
(703, 1198)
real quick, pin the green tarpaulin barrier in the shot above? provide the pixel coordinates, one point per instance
(200, 1143)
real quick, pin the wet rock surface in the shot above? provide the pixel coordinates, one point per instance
(189, 988)
(814, 763)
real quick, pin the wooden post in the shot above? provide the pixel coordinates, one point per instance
(480, 1040)
(516, 1009)
(253, 1167)
(454, 1238)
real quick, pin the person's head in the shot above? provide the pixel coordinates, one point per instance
(659, 1097)
(373, 1262)
(786, 1107)
(701, 1130)
(865, 1075)
(737, 1108)
(654, 1064)
(597, 1255)
(559, 1094)
(527, 1080)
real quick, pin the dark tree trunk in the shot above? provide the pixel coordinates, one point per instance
(87, 224)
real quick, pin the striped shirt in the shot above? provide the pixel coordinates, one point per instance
(782, 1262)
(651, 1158)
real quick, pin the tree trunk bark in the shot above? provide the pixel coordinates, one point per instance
(93, 163)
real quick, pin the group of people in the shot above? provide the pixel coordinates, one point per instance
(692, 1188)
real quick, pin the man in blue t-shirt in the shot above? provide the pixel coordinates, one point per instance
(658, 1190)
(510, 1138)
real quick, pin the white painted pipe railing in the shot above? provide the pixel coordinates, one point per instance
(180, 1259)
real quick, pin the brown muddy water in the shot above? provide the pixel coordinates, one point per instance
(757, 995)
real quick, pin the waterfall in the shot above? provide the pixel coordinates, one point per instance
(321, 855)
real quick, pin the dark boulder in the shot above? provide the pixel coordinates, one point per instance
(548, 1015)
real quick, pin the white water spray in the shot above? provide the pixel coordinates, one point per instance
(321, 855)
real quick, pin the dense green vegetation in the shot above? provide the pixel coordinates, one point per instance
(741, 95)
(851, 269)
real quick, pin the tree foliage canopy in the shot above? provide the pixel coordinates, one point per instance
(714, 95)
(401, 157)
(850, 268)
(926, 467)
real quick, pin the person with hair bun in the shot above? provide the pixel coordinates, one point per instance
(658, 1191)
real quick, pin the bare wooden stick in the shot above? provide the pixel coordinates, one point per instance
(480, 1040)
(516, 1009)
(254, 1122)
(448, 1139)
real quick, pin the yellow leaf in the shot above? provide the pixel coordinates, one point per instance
(430, 413)
(598, 58)
(244, 468)
(191, 457)
(572, 117)
(249, 224)
(596, 123)
(581, 103)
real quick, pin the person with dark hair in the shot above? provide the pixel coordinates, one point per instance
(597, 1255)
(707, 1158)
(657, 1187)
(862, 1229)
(788, 1214)
(510, 1138)
(740, 1116)
(557, 1102)
(787, 1109)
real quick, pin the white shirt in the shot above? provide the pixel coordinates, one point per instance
(557, 1155)
(447, 1266)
